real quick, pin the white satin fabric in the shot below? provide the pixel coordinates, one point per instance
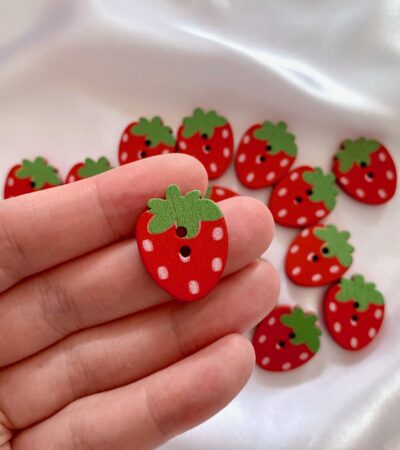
(74, 73)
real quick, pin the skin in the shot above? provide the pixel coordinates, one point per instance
(81, 365)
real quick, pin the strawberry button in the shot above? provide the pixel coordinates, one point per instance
(209, 138)
(366, 171)
(286, 339)
(353, 312)
(219, 193)
(319, 255)
(265, 154)
(183, 243)
(87, 169)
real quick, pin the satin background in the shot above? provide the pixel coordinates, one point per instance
(73, 73)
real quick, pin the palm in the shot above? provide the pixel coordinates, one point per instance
(92, 353)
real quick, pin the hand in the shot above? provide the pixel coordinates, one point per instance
(93, 354)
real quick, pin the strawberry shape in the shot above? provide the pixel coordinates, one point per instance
(365, 170)
(286, 339)
(183, 243)
(30, 176)
(265, 154)
(219, 193)
(87, 169)
(209, 138)
(303, 197)
(145, 138)
(353, 311)
(319, 255)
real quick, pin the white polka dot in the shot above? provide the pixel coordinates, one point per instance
(353, 342)
(242, 158)
(360, 193)
(162, 273)
(182, 145)
(270, 176)
(246, 139)
(378, 314)
(220, 192)
(124, 156)
(225, 133)
(284, 162)
(71, 179)
(382, 193)
(286, 366)
(302, 220)
(282, 192)
(165, 151)
(389, 175)
(334, 269)
(332, 307)
(294, 248)
(282, 213)
(271, 321)
(305, 233)
(265, 361)
(10, 181)
(250, 177)
(194, 287)
(303, 356)
(226, 152)
(344, 180)
(216, 264)
(125, 137)
(213, 167)
(382, 156)
(296, 270)
(316, 277)
(294, 176)
(147, 245)
(337, 327)
(262, 339)
(320, 213)
(217, 233)
(371, 332)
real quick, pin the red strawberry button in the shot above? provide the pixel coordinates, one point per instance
(87, 169)
(319, 255)
(183, 243)
(30, 176)
(353, 311)
(286, 339)
(303, 197)
(219, 193)
(145, 138)
(265, 154)
(365, 170)
(209, 138)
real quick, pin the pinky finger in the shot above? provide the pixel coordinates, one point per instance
(147, 413)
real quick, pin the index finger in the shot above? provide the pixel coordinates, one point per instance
(41, 230)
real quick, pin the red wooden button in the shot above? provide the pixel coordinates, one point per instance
(353, 311)
(183, 243)
(319, 255)
(87, 169)
(219, 193)
(286, 339)
(365, 170)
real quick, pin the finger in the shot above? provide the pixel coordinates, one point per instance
(41, 230)
(109, 284)
(145, 414)
(116, 354)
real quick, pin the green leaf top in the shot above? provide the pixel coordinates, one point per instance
(323, 187)
(279, 139)
(186, 211)
(304, 328)
(359, 291)
(91, 167)
(154, 131)
(356, 152)
(336, 243)
(39, 173)
(203, 123)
